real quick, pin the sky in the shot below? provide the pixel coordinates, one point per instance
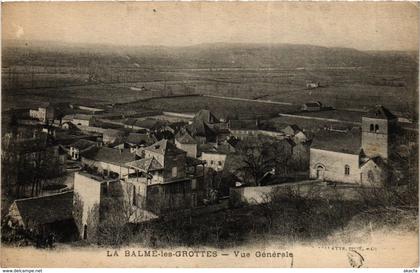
(364, 26)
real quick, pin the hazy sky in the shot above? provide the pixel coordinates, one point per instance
(372, 26)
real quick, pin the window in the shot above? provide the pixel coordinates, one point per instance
(105, 188)
(85, 232)
(174, 171)
(371, 127)
(193, 184)
(376, 128)
(371, 177)
(220, 163)
(347, 170)
(211, 162)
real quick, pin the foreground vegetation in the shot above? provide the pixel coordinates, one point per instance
(288, 218)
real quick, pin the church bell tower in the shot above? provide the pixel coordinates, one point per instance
(378, 131)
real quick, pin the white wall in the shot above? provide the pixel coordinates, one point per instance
(334, 163)
(209, 157)
(89, 191)
(122, 171)
(191, 149)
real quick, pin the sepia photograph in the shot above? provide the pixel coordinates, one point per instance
(209, 134)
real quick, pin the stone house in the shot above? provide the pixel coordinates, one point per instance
(45, 214)
(76, 149)
(184, 141)
(135, 141)
(205, 127)
(90, 191)
(214, 159)
(44, 114)
(79, 119)
(108, 161)
(243, 128)
(112, 136)
(295, 133)
(162, 181)
(311, 106)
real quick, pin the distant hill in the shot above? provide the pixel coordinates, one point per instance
(205, 55)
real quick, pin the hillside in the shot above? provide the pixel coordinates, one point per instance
(205, 55)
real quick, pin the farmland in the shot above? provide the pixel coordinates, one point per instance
(221, 107)
(352, 79)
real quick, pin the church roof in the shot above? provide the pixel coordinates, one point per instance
(348, 143)
(380, 112)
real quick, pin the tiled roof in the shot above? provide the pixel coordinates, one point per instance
(113, 132)
(220, 149)
(46, 209)
(163, 147)
(200, 128)
(185, 138)
(206, 148)
(82, 144)
(206, 116)
(110, 155)
(291, 129)
(136, 138)
(146, 164)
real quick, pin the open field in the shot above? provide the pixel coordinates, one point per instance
(221, 107)
(285, 85)
(348, 78)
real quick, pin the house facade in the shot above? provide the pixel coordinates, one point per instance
(91, 195)
(43, 114)
(108, 162)
(79, 147)
(215, 160)
(185, 142)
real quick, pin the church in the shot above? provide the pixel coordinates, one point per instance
(356, 157)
